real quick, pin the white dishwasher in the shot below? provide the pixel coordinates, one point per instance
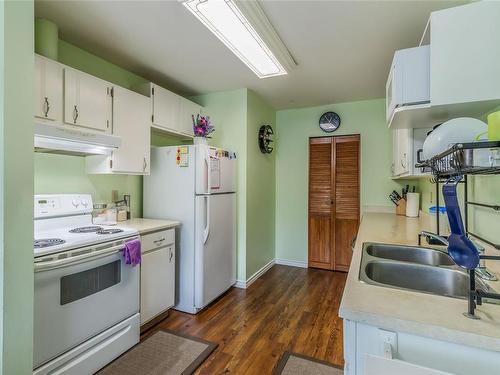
(157, 274)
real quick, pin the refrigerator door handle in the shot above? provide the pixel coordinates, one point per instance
(207, 170)
(206, 231)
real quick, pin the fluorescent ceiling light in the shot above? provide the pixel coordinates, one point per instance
(227, 22)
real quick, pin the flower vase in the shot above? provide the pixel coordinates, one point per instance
(200, 141)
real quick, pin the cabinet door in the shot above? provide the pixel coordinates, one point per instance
(131, 122)
(464, 54)
(157, 282)
(166, 108)
(189, 109)
(404, 139)
(401, 151)
(48, 89)
(395, 154)
(87, 101)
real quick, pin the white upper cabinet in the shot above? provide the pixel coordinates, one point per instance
(132, 123)
(48, 90)
(171, 112)
(188, 110)
(463, 71)
(406, 145)
(87, 101)
(166, 108)
(465, 54)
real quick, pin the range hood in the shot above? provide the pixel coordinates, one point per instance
(72, 141)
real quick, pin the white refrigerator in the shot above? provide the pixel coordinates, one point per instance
(196, 185)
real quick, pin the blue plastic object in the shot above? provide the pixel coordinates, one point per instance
(433, 210)
(460, 247)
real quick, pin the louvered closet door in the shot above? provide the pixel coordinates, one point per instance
(320, 203)
(346, 202)
(333, 200)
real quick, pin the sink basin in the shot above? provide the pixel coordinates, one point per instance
(415, 268)
(435, 280)
(412, 254)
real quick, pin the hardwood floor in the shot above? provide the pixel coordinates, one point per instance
(288, 308)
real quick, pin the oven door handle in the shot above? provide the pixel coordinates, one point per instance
(77, 259)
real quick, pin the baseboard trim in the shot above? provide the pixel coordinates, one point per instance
(242, 284)
(379, 209)
(293, 263)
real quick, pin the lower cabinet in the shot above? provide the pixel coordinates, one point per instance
(157, 274)
(370, 350)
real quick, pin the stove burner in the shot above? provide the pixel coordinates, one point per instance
(46, 242)
(89, 229)
(109, 231)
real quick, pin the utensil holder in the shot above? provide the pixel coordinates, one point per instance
(401, 207)
(412, 204)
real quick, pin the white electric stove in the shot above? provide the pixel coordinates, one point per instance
(86, 305)
(64, 221)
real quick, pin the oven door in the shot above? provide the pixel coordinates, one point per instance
(79, 294)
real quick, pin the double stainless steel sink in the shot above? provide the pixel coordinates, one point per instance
(415, 268)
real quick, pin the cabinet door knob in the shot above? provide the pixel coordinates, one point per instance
(75, 114)
(46, 106)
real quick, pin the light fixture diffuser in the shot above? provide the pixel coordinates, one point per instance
(229, 24)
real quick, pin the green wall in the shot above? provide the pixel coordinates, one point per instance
(237, 116)
(66, 174)
(294, 127)
(16, 186)
(261, 190)
(228, 112)
(85, 61)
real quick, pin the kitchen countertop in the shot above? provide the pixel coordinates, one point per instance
(149, 225)
(427, 315)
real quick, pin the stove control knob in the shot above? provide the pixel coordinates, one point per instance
(75, 202)
(84, 203)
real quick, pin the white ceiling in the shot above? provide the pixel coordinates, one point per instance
(343, 48)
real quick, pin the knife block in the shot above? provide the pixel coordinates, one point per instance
(401, 207)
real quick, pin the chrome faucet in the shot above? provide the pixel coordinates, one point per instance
(441, 239)
(481, 271)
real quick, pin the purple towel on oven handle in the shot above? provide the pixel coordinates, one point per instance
(132, 252)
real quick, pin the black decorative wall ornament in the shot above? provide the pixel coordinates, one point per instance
(266, 133)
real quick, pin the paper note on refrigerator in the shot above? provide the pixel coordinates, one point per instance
(215, 173)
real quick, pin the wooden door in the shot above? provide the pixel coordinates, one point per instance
(333, 200)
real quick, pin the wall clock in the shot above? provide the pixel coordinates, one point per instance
(266, 139)
(329, 122)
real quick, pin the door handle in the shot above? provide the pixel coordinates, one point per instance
(171, 255)
(144, 164)
(49, 265)
(46, 106)
(206, 231)
(208, 177)
(75, 114)
(159, 241)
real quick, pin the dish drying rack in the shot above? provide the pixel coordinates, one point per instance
(465, 159)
